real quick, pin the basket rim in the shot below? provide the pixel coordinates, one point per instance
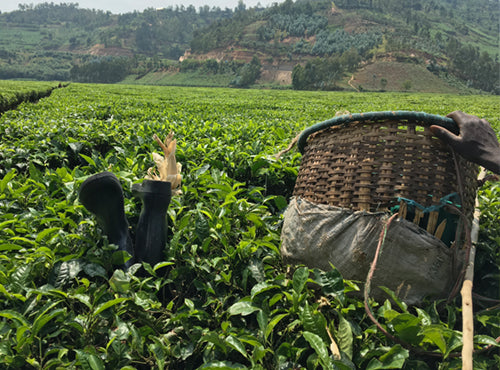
(346, 119)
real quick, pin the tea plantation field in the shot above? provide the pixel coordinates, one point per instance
(222, 299)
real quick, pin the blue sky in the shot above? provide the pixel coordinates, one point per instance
(125, 6)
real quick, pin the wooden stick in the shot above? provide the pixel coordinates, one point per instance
(432, 222)
(333, 346)
(403, 209)
(440, 229)
(468, 325)
(466, 293)
(418, 216)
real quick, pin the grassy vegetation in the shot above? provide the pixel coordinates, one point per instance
(402, 77)
(222, 298)
(193, 78)
(15, 39)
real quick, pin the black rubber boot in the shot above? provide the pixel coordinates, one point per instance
(151, 233)
(102, 195)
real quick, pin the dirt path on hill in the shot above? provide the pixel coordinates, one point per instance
(350, 83)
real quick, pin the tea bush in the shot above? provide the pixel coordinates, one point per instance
(222, 298)
(13, 93)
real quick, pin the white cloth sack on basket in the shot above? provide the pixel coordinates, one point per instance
(413, 263)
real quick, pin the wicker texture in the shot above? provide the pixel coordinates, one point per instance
(369, 160)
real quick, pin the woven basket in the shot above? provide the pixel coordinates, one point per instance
(366, 161)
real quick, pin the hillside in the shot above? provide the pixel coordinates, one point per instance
(45, 41)
(451, 44)
(453, 40)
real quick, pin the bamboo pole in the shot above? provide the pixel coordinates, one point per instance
(466, 293)
(467, 323)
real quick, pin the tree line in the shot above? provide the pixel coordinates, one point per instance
(114, 69)
(324, 73)
(103, 70)
(478, 68)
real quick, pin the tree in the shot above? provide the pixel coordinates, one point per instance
(407, 85)
(144, 38)
(249, 73)
(383, 83)
(350, 59)
(318, 74)
(241, 6)
(105, 70)
(298, 80)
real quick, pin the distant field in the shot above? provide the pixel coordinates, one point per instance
(180, 79)
(16, 38)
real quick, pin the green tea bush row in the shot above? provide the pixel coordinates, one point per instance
(14, 93)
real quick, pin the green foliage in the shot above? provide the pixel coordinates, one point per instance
(248, 74)
(323, 74)
(12, 93)
(222, 297)
(318, 74)
(212, 66)
(297, 25)
(487, 254)
(338, 42)
(220, 34)
(479, 69)
(103, 70)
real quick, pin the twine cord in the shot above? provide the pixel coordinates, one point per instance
(368, 309)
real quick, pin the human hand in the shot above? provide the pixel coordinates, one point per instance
(476, 141)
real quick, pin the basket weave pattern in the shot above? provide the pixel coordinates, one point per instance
(367, 165)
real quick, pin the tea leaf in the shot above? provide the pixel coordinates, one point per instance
(434, 334)
(221, 365)
(243, 308)
(44, 233)
(13, 315)
(393, 359)
(94, 270)
(44, 318)
(89, 361)
(88, 159)
(120, 282)
(104, 306)
(314, 322)
(300, 277)
(272, 324)
(236, 344)
(320, 348)
(345, 336)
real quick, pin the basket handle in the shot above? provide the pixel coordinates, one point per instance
(431, 119)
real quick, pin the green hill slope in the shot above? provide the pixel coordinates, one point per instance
(453, 40)
(45, 41)
(447, 37)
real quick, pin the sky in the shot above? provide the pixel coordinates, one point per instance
(126, 6)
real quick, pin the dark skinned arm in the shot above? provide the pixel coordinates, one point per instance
(476, 141)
